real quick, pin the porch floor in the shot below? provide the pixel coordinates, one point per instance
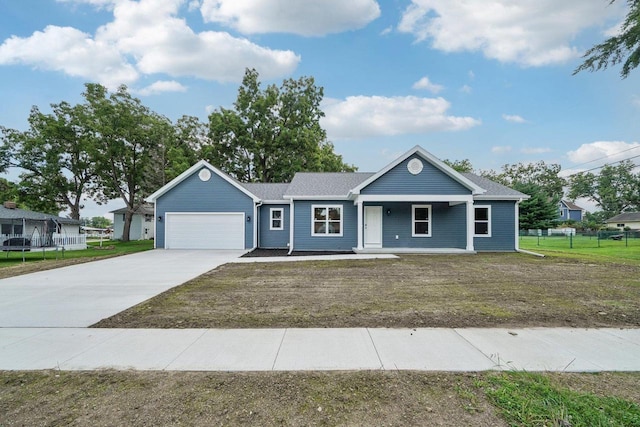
(435, 251)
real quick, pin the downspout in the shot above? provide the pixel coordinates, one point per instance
(517, 233)
(256, 232)
(291, 221)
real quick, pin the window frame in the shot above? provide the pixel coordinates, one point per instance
(326, 221)
(487, 221)
(429, 220)
(271, 218)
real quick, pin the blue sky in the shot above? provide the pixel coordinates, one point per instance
(486, 81)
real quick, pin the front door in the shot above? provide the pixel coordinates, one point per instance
(373, 226)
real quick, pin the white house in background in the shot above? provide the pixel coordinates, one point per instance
(627, 219)
(142, 223)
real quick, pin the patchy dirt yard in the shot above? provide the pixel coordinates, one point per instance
(295, 399)
(486, 290)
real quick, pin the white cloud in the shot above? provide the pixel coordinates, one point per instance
(500, 149)
(471, 75)
(367, 116)
(466, 89)
(145, 37)
(71, 51)
(513, 118)
(162, 86)
(605, 151)
(303, 17)
(534, 150)
(426, 84)
(635, 100)
(526, 32)
(386, 31)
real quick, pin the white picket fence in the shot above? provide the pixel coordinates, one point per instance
(73, 242)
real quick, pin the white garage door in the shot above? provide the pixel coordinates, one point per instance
(204, 231)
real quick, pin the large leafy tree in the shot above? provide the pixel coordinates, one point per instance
(615, 189)
(540, 181)
(54, 154)
(126, 135)
(271, 133)
(459, 165)
(623, 48)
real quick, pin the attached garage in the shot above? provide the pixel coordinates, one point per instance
(205, 230)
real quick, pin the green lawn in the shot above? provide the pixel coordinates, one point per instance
(585, 247)
(94, 250)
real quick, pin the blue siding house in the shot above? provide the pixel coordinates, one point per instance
(415, 204)
(570, 211)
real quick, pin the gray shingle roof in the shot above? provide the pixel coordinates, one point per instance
(572, 206)
(325, 183)
(267, 191)
(15, 214)
(627, 216)
(492, 187)
(146, 209)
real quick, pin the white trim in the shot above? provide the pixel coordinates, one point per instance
(325, 197)
(517, 224)
(513, 197)
(475, 189)
(291, 229)
(414, 198)
(195, 168)
(470, 225)
(256, 221)
(358, 203)
(413, 220)
(271, 211)
(327, 207)
(488, 207)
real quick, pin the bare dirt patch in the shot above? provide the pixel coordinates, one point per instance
(484, 290)
(107, 398)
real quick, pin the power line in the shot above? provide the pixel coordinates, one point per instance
(608, 155)
(606, 164)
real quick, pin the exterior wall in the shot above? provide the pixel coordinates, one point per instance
(140, 228)
(448, 226)
(503, 217)
(575, 215)
(430, 180)
(273, 239)
(569, 214)
(304, 241)
(194, 195)
(633, 225)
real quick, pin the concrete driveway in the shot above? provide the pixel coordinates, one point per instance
(81, 295)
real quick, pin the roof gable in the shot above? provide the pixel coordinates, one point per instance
(494, 190)
(432, 160)
(196, 168)
(571, 206)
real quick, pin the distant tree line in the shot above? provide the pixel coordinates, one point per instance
(112, 146)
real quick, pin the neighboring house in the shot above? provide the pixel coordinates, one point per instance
(41, 230)
(415, 204)
(142, 223)
(570, 211)
(624, 220)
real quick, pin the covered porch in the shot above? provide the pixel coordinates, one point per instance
(436, 224)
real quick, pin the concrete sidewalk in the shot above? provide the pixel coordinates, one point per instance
(428, 349)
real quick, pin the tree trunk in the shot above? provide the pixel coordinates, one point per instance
(126, 229)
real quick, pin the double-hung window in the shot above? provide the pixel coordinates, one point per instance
(421, 220)
(276, 215)
(482, 221)
(326, 220)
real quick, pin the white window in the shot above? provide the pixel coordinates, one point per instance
(277, 219)
(482, 221)
(326, 220)
(421, 220)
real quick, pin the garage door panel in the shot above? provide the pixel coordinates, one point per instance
(204, 231)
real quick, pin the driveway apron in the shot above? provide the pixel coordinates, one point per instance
(83, 294)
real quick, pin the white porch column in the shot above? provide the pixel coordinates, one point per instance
(470, 225)
(360, 219)
(517, 227)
